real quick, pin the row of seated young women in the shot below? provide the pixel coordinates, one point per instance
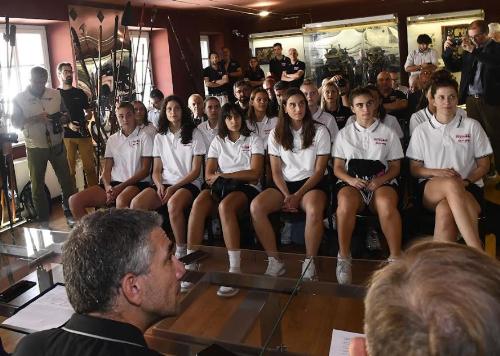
(448, 154)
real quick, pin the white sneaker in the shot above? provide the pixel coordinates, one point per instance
(343, 270)
(186, 286)
(227, 292)
(275, 268)
(310, 273)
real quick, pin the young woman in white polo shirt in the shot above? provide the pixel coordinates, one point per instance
(449, 155)
(367, 157)
(235, 154)
(141, 116)
(299, 150)
(178, 155)
(209, 128)
(127, 166)
(259, 119)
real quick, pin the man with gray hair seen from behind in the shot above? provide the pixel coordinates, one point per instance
(494, 31)
(440, 298)
(121, 277)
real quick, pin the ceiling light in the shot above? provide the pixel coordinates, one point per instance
(263, 13)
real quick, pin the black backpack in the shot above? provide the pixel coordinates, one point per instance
(26, 206)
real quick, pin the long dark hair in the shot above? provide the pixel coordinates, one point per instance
(380, 110)
(145, 120)
(187, 125)
(251, 110)
(226, 111)
(283, 132)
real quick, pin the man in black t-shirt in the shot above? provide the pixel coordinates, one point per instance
(278, 63)
(394, 101)
(295, 70)
(76, 135)
(216, 79)
(232, 68)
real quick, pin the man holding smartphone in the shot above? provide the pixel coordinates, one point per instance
(33, 109)
(76, 134)
(480, 80)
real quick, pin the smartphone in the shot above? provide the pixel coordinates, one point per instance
(193, 257)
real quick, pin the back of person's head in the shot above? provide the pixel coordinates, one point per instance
(39, 72)
(281, 85)
(157, 94)
(101, 249)
(439, 299)
(424, 38)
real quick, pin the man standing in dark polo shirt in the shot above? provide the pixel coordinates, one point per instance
(295, 70)
(216, 79)
(254, 74)
(121, 277)
(76, 135)
(278, 63)
(480, 80)
(233, 70)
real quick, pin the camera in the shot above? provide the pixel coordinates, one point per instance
(56, 122)
(341, 82)
(456, 41)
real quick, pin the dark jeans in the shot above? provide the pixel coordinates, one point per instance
(488, 116)
(37, 164)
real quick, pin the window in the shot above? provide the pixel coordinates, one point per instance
(142, 73)
(30, 51)
(205, 50)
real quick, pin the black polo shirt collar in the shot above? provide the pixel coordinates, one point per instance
(105, 329)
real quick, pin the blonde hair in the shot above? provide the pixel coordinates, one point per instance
(439, 299)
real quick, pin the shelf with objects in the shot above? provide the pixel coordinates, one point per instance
(357, 49)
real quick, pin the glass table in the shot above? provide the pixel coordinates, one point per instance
(270, 315)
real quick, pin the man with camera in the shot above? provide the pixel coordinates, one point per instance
(480, 81)
(76, 134)
(39, 112)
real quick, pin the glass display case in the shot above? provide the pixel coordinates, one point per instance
(357, 49)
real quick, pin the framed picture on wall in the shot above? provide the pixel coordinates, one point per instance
(264, 54)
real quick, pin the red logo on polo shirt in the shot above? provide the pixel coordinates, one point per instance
(245, 148)
(134, 143)
(380, 141)
(463, 138)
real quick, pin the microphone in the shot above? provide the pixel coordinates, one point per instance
(127, 15)
(12, 35)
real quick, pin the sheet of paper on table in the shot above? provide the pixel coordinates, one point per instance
(340, 342)
(51, 310)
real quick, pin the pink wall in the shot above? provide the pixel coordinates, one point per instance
(59, 46)
(160, 57)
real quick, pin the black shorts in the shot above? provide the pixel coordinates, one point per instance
(193, 189)
(341, 184)
(250, 191)
(140, 185)
(476, 191)
(295, 186)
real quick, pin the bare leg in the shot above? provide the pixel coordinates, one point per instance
(313, 203)
(148, 199)
(177, 203)
(94, 196)
(349, 202)
(269, 201)
(125, 197)
(453, 190)
(445, 228)
(228, 212)
(384, 203)
(202, 208)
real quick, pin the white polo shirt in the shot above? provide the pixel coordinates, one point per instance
(416, 57)
(378, 143)
(424, 115)
(456, 145)
(149, 129)
(29, 105)
(236, 156)
(154, 117)
(329, 121)
(208, 133)
(126, 152)
(263, 128)
(389, 120)
(176, 157)
(298, 164)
